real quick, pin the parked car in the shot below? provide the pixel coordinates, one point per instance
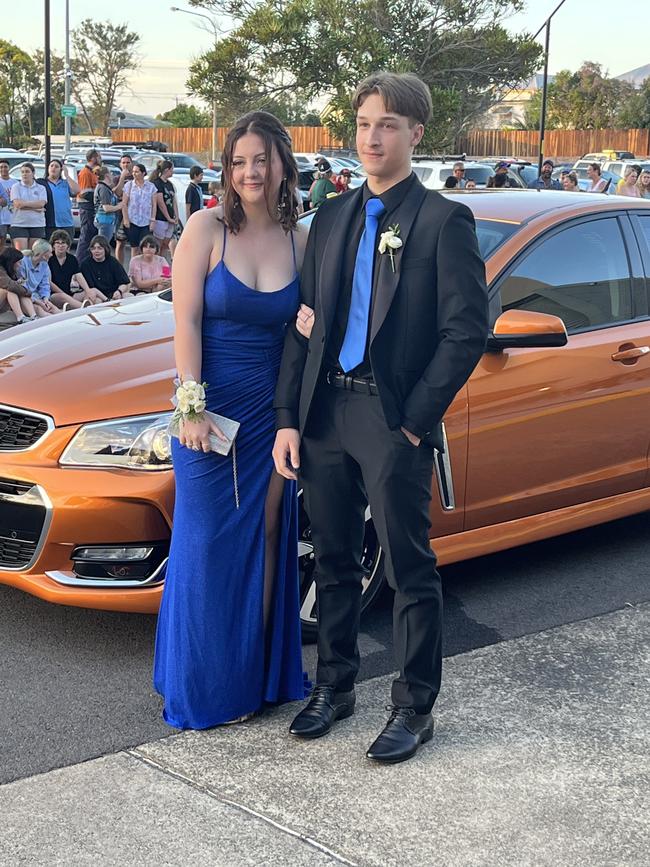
(11, 156)
(181, 179)
(549, 435)
(434, 172)
(521, 172)
(180, 161)
(581, 167)
(608, 154)
(618, 166)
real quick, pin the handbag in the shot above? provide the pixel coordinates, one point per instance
(101, 216)
(229, 428)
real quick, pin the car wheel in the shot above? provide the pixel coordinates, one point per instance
(372, 582)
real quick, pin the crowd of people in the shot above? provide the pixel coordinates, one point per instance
(39, 274)
(634, 183)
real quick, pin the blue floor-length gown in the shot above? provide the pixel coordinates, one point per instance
(210, 662)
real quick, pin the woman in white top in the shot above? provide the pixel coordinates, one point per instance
(598, 184)
(28, 200)
(138, 207)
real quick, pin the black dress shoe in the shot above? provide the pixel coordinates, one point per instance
(325, 706)
(402, 735)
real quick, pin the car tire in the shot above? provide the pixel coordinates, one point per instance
(373, 559)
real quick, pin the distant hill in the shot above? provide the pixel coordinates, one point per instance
(128, 120)
(636, 76)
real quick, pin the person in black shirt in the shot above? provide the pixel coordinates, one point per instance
(103, 272)
(66, 273)
(166, 214)
(395, 277)
(194, 193)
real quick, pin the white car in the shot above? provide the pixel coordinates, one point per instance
(434, 172)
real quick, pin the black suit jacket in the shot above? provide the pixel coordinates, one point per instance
(429, 320)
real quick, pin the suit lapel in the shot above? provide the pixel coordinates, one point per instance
(386, 279)
(332, 256)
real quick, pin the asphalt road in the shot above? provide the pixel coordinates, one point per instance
(76, 684)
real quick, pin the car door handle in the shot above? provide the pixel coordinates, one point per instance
(631, 353)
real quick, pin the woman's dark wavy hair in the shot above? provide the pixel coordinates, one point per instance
(281, 203)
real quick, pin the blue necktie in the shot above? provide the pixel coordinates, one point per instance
(354, 342)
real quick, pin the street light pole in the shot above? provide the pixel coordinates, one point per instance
(215, 127)
(47, 118)
(542, 116)
(67, 121)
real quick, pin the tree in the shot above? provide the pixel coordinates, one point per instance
(297, 46)
(103, 55)
(186, 116)
(37, 98)
(636, 113)
(17, 71)
(586, 99)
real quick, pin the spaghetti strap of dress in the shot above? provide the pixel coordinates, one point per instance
(293, 251)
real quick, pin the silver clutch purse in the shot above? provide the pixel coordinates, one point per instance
(228, 426)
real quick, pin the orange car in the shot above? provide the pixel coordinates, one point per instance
(550, 434)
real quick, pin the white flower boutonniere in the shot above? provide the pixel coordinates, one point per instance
(390, 241)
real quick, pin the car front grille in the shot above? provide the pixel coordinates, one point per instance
(20, 430)
(23, 513)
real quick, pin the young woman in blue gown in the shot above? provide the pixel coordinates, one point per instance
(228, 636)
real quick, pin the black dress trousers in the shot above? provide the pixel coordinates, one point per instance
(350, 458)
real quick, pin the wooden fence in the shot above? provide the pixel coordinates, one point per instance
(478, 142)
(557, 142)
(306, 139)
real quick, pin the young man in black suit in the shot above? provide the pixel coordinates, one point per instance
(395, 277)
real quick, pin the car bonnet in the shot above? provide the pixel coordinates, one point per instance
(108, 361)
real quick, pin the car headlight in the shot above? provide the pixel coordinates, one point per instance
(138, 443)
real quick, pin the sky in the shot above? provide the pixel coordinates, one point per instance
(171, 40)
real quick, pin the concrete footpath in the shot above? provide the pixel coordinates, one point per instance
(541, 757)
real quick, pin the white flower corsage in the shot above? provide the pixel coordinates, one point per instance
(390, 240)
(189, 400)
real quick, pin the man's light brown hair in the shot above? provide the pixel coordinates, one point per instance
(402, 93)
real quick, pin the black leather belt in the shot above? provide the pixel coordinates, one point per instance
(343, 380)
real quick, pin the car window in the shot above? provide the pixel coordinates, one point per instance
(580, 274)
(480, 175)
(491, 234)
(528, 173)
(644, 222)
(422, 172)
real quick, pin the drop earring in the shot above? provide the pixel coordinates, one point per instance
(282, 199)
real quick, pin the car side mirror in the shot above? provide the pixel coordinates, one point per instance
(521, 328)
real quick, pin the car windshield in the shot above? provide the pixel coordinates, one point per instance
(492, 233)
(422, 172)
